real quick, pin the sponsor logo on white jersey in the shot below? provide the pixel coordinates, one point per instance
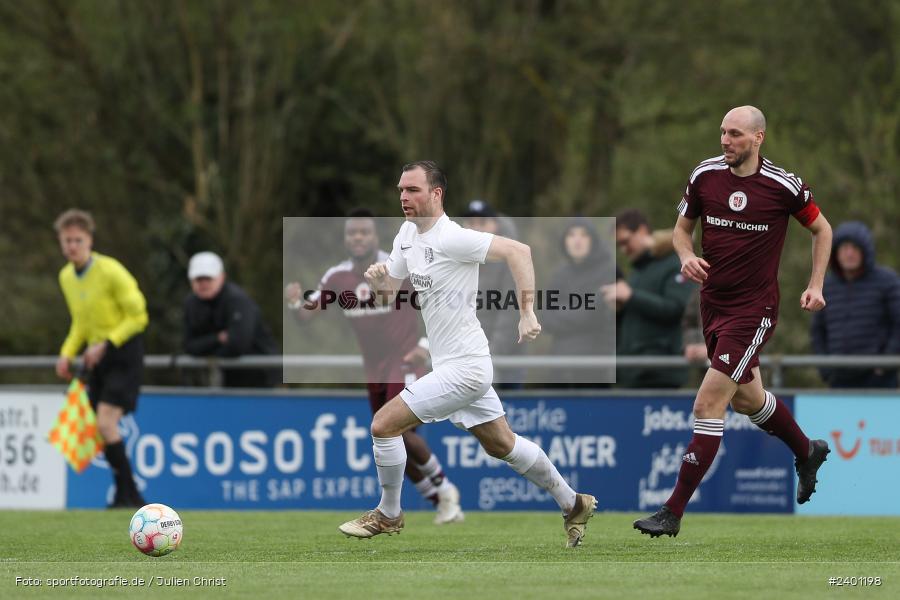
(420, 282)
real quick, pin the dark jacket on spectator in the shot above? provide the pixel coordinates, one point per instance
(232, 310)
(861, 316)
(691, 326)
(582, 331)
(651, 320)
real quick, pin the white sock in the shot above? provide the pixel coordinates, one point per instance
(431, 467)
(528, 460)
(426, 488)
(390, 462)
(433, 471)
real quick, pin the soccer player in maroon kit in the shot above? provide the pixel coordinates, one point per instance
(743, 202)
(389, 340)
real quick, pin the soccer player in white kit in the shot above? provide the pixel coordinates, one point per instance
(441, 260)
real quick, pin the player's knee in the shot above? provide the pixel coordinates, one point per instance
(381, 427)
(707, 406)
(701, 407)
(109, 430)
(378, 428)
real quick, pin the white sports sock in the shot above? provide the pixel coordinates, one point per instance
(433, 471)
(431, 467)
(532, 463)
(390, 462)
(426, 488)
(523, 455)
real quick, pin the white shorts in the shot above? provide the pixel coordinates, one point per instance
(459, 390)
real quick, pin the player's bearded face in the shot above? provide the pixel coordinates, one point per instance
(734, 157)
(737, 143)
(417, 199)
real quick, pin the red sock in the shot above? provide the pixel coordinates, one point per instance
(695, 462)
(775, 419)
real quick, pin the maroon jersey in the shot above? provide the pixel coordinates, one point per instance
(744, 221)
(385, 333)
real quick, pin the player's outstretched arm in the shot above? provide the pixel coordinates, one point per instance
(692, 266)
(383, 285)
(812, 298)
(518, 257)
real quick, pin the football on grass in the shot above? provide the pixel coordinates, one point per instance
(155, 530)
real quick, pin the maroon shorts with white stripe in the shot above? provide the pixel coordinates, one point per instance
(385, 385)
(734, 341)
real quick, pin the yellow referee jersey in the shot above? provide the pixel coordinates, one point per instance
(105, 304)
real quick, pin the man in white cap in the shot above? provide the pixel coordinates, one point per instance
(220, 319)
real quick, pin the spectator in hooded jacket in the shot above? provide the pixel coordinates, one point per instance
(863, 311)
(588, 329)
(220, 319)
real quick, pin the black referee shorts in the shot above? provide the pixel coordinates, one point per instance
(117, 378)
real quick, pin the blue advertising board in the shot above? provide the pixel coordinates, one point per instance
(280, 452)
(860, 476)
(243, 452)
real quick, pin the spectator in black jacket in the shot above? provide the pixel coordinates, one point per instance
(221, 320)
(582, 332)
(863, 311)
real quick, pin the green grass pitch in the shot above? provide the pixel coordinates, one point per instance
(492, 555)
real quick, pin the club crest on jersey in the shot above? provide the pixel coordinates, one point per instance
(429, 255)
(363, 292)
(737, 201)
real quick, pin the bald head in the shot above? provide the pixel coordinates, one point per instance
(749, 118)
(742, 133)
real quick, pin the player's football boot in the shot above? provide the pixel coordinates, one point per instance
(663, 522)
(372, 523)
(806, 470)
(448, 509)
(576, 520)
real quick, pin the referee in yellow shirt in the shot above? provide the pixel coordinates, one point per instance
(109, 315)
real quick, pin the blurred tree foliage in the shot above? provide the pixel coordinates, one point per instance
(197, 125)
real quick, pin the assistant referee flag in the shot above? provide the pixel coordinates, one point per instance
(75, 432)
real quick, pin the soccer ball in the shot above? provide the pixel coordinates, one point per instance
(155, 530)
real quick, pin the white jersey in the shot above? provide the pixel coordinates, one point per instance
(442, 265)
